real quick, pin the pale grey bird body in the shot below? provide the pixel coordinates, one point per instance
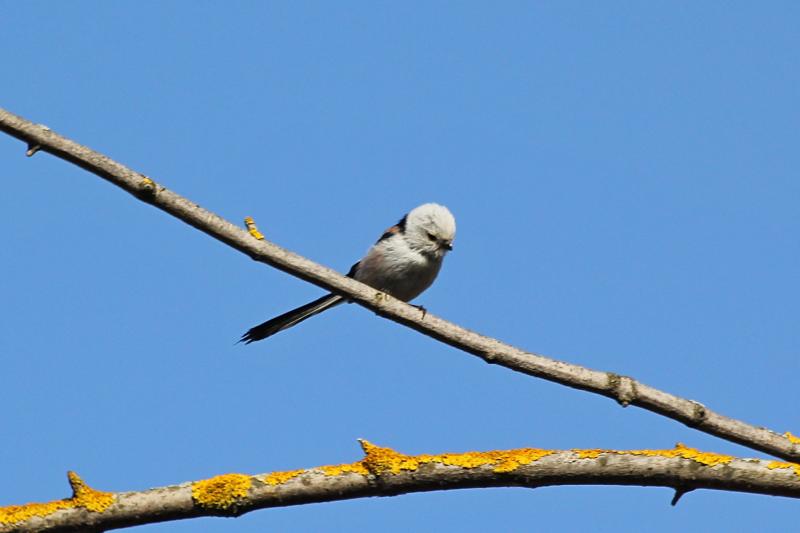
(403, 262)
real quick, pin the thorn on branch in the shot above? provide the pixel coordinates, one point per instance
(253, 229)
(378, 459)
(85, 496)
(75, 483)
(679, 492)
(32, 149)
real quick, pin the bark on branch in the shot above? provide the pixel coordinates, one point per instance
(623, 389)
(384, 472)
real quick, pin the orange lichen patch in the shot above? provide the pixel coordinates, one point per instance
(221, 492)
(589, 454)
(252, 228)
(276, 478)
(783, 464)
(510, 460)
(706, 458)
(793, 439)
(379, 459)
(502, 460)
(349, 468)
(83, 496)
(13, 514)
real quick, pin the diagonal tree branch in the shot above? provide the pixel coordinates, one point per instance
(385, 472)
(623, 389)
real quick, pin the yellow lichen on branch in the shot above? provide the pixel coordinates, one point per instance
(706, 458)
(85, 496)
(13, 514)
(379, 459)
(793, 439)
(221, 492)
(348, 468)
(783, 464)
(227, 491)
(591, 454)
(253, 229)
(82, 496)
(276, 478)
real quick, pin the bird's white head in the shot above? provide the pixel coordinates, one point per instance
(430, 228)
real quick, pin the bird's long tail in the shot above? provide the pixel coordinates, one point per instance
(290, 318)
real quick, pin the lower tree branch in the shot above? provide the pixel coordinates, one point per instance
(385, 472)
(623, 389)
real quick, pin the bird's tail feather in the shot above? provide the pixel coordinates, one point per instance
(290, 318)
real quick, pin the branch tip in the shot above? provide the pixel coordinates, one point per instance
(32, 149)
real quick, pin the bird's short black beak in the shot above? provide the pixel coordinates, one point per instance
(448, 246)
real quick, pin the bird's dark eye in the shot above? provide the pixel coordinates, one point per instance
(432, 237)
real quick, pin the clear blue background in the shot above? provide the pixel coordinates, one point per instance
(624, 176)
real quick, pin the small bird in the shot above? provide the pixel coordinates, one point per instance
(403, 262)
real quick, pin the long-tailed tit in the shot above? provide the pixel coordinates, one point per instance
(404, 262)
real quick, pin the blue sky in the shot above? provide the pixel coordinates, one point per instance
(624, 177)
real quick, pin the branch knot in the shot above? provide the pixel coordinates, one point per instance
(623, 387)
(698, 414)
